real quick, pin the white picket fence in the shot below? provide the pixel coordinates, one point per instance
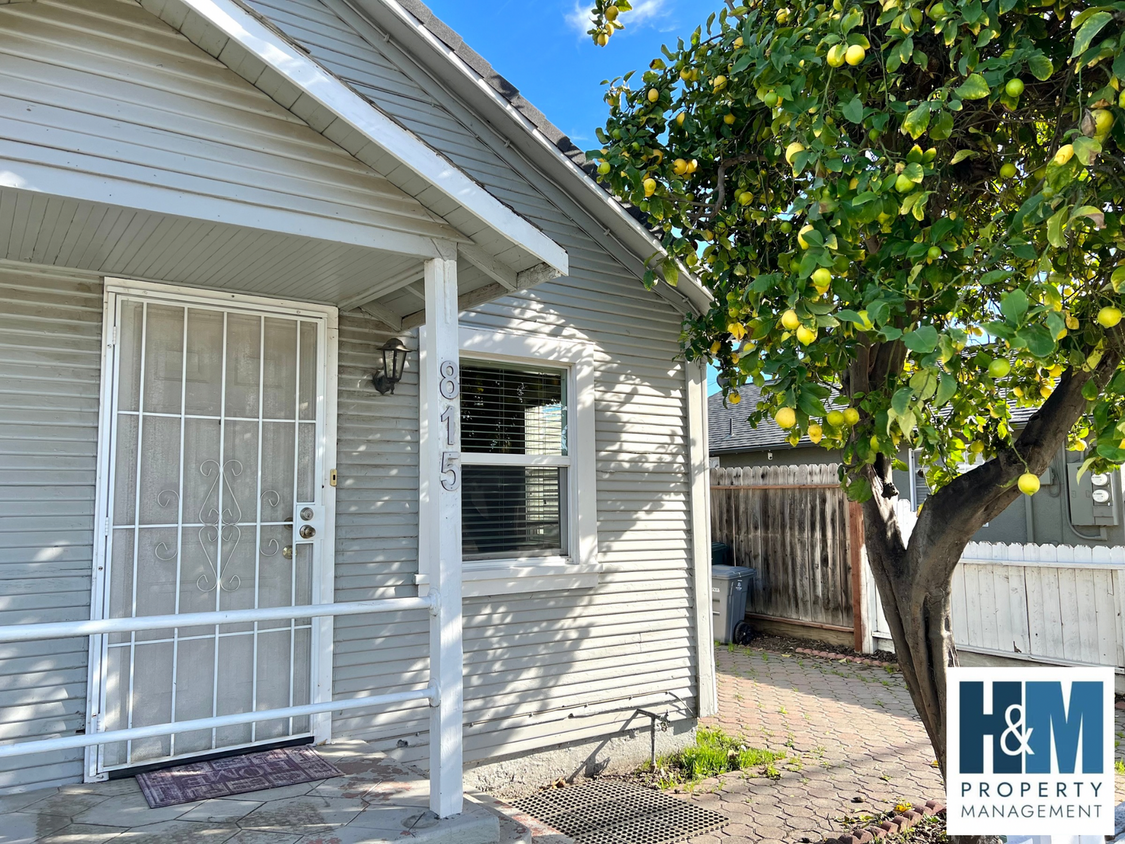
(1057, 604)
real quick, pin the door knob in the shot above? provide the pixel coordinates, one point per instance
(307, 531)
(307, 513)
(287, 552)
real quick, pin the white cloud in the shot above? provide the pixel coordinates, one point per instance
(580, 20)
(646, 12)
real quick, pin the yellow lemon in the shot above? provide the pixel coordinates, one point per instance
(679, 167)
(834, 418)
(611, 13)
(719, 83)
(650, 186)
(855, 54)
(602, 39)
(792, 150)
(653, 95)
(790, 321)
(805, 335)
(851, 416)
(786, 418)
(836, 55)
(738, 42)
(734, 397)
(680, 118)
(801, 235)
(1028, 483)
(999, 368)
(1109, 317)
(1065, 153)
(728, 119)
(976, 448)
(1103, 121)
(816, 433)
(821, 277)
(1007, 170)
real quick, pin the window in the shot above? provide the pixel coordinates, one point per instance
(528, 497)
(516, 465)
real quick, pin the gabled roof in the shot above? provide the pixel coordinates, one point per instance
(480, 85)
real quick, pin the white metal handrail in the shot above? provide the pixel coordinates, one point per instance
(68, 629)
(69, 742)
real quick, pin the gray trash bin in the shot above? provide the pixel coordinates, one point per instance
(730, 586)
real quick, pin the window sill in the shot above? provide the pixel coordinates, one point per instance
(513, 579)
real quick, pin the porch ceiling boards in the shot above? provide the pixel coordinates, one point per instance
(115, 241)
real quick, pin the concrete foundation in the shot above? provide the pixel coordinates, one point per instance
(516, 776)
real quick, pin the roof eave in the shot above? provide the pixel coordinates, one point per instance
(269, 46)
(455, 70)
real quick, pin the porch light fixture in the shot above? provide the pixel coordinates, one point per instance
(394, 362)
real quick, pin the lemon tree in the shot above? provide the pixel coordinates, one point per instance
(910, 215)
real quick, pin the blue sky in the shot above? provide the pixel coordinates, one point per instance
(548, 56)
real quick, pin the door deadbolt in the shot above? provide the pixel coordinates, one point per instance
(307, 531)
(307, 514)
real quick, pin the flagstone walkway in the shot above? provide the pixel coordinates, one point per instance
(853, 743)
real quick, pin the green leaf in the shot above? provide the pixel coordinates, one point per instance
(917, 121)
(853, 110)
(1055, 227)
(1013, 306)
(1039, 340)
(973, 88)
(1111, 452)
(900, 401)
(1085, 149)
(863, 198)
(1090, 390)
(946, 389)
(922, 339)
(851, 316)
(1040, 67)
(942, 127)
(1085, 467)
(1088, 31)
(671, 272)
(914, 172)
(1117, 278)
(810, 404)
(962, 154)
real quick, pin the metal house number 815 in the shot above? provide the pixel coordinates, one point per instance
(450, 460)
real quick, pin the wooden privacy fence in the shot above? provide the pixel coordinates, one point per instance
(791, 524)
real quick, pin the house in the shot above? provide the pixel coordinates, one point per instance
(333, 405)
(1068, 510)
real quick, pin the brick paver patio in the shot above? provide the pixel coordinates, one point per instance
(849, 731)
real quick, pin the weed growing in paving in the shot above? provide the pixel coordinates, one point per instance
(1119, 766)
(714, 753)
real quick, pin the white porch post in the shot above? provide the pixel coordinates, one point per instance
(439, 523)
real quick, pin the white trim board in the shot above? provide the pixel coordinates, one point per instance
(580, 569)
(266, 45)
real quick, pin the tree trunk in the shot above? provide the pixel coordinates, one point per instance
(915, 578)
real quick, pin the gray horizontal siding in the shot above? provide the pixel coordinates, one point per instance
(533, 660)
(50, 353)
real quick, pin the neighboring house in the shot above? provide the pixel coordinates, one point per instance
(1066, 510)
(214, 216)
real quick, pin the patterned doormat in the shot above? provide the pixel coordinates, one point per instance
(234, 775)
(608, 812)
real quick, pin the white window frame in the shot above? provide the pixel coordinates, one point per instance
(579, 568)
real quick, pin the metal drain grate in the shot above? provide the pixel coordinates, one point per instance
(607, 812)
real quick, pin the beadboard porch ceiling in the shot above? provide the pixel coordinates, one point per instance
(116, 241)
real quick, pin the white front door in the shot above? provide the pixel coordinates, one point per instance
(215, 497)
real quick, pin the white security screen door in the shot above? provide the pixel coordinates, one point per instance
(214, 499)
